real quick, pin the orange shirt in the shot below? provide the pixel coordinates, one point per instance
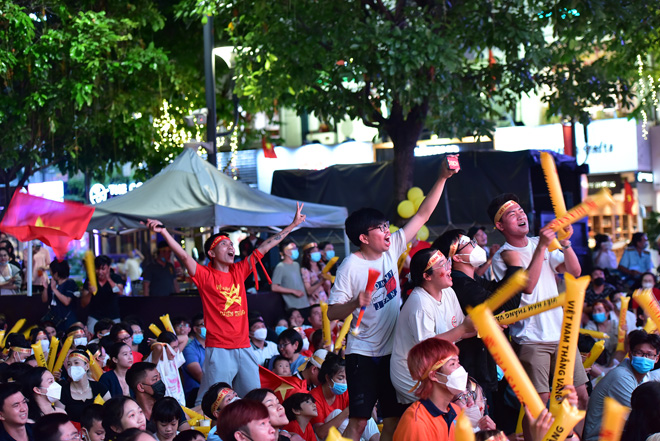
(424, 421)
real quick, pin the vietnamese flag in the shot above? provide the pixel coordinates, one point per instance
(628, 198)
(283, 387)
(269, 149)
(54, 223)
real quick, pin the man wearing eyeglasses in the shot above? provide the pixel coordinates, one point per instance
(535, 339)
(621, 381)
(14, 414)
(368, 353)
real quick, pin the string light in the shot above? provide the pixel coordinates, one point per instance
(169, 134)
(642, 94)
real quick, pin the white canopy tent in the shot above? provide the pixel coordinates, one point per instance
(190, 192)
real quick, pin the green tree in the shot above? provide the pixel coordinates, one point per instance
(82, 81)
(403, 65)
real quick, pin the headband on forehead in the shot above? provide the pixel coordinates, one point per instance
(505, 206)
(435, 258)
(437, 365)
(310, 245)
(82, 357)
(221, 396)
(217, 240)
(26, 351)
(76, 332)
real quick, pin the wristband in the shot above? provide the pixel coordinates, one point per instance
(567, 246)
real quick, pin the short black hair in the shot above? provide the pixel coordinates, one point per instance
(166, 337)
(498, 201)
(474, 230)
(637, 237)
(279, 358)
(258, 394)
(61, 267)
(209, 242)
(285, 243)
(7, 390)
(137, 373)
(102, 324)
(333, 363)
(210, 396)
(188, 435)
(197, 317)
(47, 428)
(443, 243)
(93, 412)
(166, 410)
(291, 336)
(102, 260)
(640, 336)
(360, 221)
(418, 266)
(294, 402)
(113, 411)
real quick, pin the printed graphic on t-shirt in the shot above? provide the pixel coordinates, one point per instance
(232, 295)
(389, 283)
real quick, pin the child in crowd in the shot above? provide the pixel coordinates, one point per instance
(165, 416)
(91, 423)
(300, 409)
(281, 366)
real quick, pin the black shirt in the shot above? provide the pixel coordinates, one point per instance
(161, 278)
(105, 303)
(4, 436)
(74, 408)
(474, 355)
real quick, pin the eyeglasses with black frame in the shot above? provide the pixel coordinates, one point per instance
(384, 227)
(649, 355)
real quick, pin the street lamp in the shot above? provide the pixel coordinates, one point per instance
(227, 54)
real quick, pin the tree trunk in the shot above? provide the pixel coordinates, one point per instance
(405, 131)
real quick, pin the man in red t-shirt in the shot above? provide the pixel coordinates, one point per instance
(228, 356)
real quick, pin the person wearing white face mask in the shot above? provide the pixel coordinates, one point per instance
(10, 275)
(80, 391)
(467, 257)
(42, 391)
(473, 402)
(431, 310)
(262, 348)
(434, 364)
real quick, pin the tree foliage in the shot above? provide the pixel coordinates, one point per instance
(402, 65)
(81, 83)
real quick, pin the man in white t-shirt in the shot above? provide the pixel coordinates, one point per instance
(368, 353)
(431, 310)
(535, 339)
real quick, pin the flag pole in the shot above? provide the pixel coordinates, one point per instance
(29, 269)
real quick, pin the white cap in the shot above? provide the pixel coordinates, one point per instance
(318, 358)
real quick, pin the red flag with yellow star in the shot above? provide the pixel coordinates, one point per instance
(268, 148)
(54, 223)
(283, 387)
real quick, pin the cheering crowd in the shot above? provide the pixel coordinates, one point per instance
(411, 364)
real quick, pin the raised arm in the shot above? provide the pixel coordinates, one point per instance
(273, 241)
(430, 202)
(180, 253)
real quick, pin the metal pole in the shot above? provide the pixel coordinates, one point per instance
(29, 268)
(209, 76)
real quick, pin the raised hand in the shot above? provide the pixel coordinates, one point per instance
(299, 218)
(154, 225)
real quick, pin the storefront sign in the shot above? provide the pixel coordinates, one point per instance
(99, 192)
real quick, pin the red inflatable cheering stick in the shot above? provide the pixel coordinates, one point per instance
(373, 278)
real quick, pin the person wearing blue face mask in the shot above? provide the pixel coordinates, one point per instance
(316, 286)
(328, 252)
(287, 279)
(621, 381)
(194, 353)
(601, 322)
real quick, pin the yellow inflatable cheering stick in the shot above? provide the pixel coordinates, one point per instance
(595, 352)
(515, 315)
(327, 336)
(510, 288)
(167, 323)
(554, 189)
(590, 205)
(614, 418)
(649, 304)
(463, 430)
(567, 349)
(621, 336)
(343, 332)
(502, 352)
(91, 271)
